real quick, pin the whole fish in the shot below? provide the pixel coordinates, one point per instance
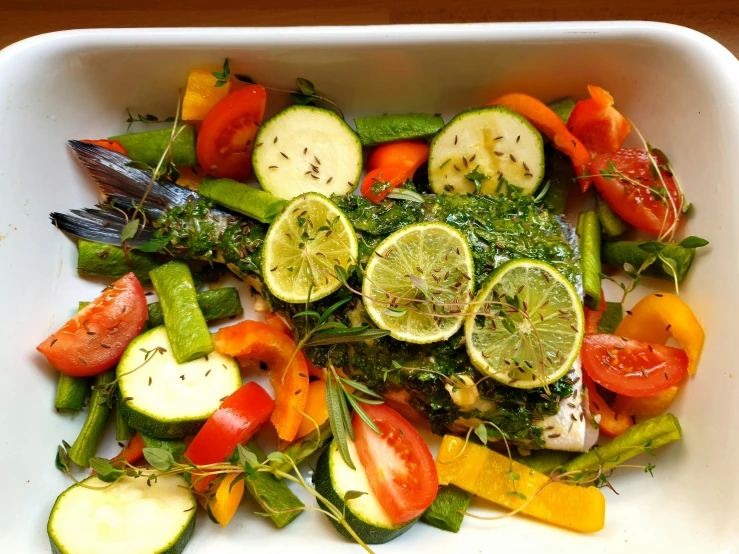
(186, 225)
(181, 221)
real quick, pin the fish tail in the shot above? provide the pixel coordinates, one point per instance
(117, 180)
(102, 224)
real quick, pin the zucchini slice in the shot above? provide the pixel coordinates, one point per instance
(168, 400)
(307, 149)
(366, 516)
(495, 141)
(128, 517)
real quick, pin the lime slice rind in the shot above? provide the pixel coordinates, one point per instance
(526, 325)
(302, 247)
(418, 280)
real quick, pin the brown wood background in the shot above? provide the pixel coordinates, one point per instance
(24, 18)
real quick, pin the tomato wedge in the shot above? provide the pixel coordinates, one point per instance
(95, 339)
(632, 367)
(399, 465)
(598, 125)
(636, 204)
(226, 137)
(235, 422)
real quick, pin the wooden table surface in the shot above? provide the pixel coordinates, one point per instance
(24, 18)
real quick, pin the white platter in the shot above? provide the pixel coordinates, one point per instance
(679, 86)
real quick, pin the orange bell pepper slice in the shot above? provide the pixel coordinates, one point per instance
(390, 166)
(316, 410)
(407, 153)
(191, 177)
(657, 316)
(259, 340)
(648, 406)
(593, 317)
(113, 145)
(549, 123)
(612, 423)
(133, 452)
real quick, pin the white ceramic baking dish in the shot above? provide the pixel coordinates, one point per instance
(679, 86)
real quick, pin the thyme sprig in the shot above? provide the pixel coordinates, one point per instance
(165, 167)
(305, 95)
(659, 165)
(501, 310)
(223, 76)
(108, 390)
(145, 118)
(243, 464)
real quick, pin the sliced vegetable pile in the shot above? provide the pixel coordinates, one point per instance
(443, 289)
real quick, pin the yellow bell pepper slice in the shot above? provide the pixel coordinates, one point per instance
(486, 473)
(657, 316)
(202, 94)
(225, 502)
(648, 406)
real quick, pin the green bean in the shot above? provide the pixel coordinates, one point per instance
(187, 330)
(588, 229)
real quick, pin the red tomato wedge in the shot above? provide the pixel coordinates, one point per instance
(598, 125)
(95, 339)
(235, 422)
(636, 204)
(632, 367)
(261, 341)
(399, 465)
(226, 137)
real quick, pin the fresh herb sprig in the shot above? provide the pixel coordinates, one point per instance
(145, 118)
(338, 394)
(223, 76)
(108, 390)
(305, 95)
(243, 464)
(655, 254)
(165, 167)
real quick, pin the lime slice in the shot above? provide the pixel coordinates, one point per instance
(525, 326)
(302, 246)
(417, 280)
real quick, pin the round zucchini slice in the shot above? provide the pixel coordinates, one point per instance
(168, 400)
(126, 517)
(307, 149)
(492, 145)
